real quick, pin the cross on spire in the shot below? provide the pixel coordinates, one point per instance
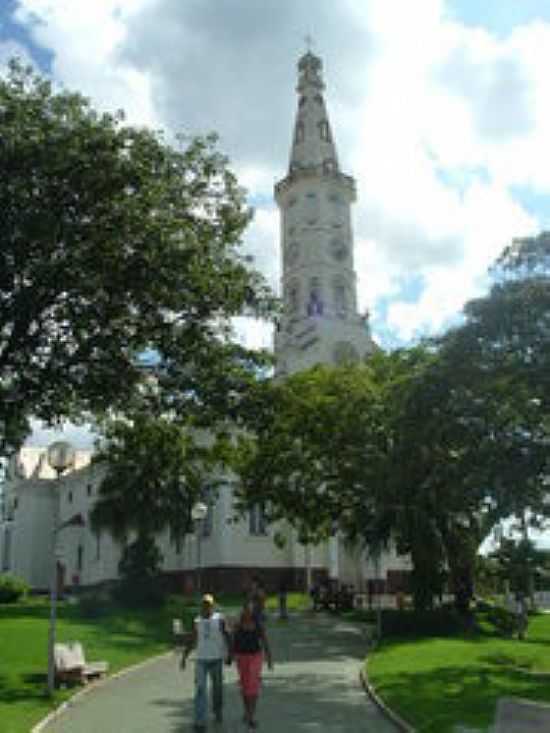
(309, 42)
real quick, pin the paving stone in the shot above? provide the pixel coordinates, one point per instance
(515, 715)
(314, 688)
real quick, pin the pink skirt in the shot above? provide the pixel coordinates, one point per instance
(250, 670)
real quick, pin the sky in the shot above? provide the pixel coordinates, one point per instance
(440, 110)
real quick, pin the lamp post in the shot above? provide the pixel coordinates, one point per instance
(198, 513)
(377, 573)
(61, 456)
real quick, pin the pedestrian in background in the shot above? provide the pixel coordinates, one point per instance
(213, 644)
(250, 644)
(283, 593)
(257, 597)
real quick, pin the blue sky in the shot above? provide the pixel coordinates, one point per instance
(499, 16)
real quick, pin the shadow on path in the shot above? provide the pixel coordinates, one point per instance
(313, 688)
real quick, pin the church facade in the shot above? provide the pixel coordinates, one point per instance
(320, 324)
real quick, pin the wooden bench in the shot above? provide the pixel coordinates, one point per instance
(71, 665)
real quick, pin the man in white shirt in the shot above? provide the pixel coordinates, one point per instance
(212, 641)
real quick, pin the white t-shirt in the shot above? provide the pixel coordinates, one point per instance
(210, 639)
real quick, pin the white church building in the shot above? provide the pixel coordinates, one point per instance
(320, 324)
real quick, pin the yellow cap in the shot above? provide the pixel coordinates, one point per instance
(207, 598)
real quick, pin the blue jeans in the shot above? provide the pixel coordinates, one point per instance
(203, 668)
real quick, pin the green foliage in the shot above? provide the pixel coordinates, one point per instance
(122, 636)
(443, 621)
(439, 684)
(94, 604)
(503, 620)
(286, 463)
(113, 242)
(516, 562)
(139, 569)
(12, 589)
(154, 471)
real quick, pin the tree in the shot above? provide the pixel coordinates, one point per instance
(113, 242)
(435, 509)
(314, 454)
(501, 355)
(154, 472)
(473, 439)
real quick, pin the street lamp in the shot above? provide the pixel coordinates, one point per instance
(198, 514)
(61, 456)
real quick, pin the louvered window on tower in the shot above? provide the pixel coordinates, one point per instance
(299, 136)
(324, 130)
(294, 299)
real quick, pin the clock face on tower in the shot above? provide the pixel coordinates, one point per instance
(338, 249)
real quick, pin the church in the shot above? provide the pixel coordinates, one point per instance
(320, 323)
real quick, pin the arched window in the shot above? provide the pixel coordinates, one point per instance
(340, 299)
(294, 298)
(299, 134)
(324, 130)
(315, 304)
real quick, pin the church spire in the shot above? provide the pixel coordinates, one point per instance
(313, 148)
(320, 323)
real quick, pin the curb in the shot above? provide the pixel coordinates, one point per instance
(371, 692)
(50, 717)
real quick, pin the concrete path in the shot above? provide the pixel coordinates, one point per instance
(314, 688)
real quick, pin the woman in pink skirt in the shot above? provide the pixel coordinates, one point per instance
(249, 645)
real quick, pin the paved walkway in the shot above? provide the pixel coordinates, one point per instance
(314, 688)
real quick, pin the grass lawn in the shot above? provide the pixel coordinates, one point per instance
(435, 683)
(122, 637)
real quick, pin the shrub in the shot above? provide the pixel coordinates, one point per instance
(95, 604)
(504, 621)
(134, 594)
(12, 589)
(437, 622)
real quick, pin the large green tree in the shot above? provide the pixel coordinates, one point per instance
(111, 242)
(501, 356)
(473, 438)
(154, 470)
(319, 453)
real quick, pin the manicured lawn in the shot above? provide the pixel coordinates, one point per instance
(120, 636)
(294, 602)
(435, 683)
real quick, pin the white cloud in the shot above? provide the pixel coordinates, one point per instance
(435, 119)
(85, 38)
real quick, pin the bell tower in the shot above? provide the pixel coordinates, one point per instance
(320, 321)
